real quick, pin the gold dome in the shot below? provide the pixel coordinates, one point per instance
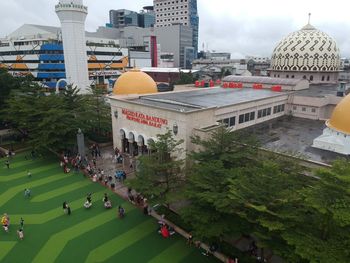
(134, 82)
(340, 119)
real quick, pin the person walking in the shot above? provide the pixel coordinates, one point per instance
(69, 211)
(121, 212)
(27, 193)
(65, 207)
(7, 163)
(21, 224)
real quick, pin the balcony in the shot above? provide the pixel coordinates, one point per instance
(70, 7)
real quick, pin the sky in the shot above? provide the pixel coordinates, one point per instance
(250, 27)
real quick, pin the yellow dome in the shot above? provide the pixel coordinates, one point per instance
(340, 119)
(134, 82)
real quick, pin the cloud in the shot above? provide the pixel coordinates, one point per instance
(241, 27)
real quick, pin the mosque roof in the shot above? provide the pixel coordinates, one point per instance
(134, 82)
(340, 120)
(307, 49)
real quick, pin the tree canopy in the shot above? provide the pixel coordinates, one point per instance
(51, 120)
(160, 173)
(233, 189)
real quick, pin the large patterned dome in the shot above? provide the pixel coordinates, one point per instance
(306, 50)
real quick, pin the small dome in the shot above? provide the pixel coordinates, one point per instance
(308, 49)
(134, 82)
(340, 120)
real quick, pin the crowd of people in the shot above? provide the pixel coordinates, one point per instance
(89, 167)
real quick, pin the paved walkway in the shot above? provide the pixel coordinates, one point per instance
(109, 165)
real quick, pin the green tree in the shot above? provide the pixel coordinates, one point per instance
(186, 78)
(328, 202)
(218, 159)
(51, 121)
(98, 113)
(7, 83)
(160, 174)
(233, 189)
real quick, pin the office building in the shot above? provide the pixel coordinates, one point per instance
(174, 12)
(123, 18)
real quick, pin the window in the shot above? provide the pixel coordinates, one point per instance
(264, 112)
(249, 116)
(303, 109)
(229, 122)
(241, 118)
(233, 121)
(311, 78)
(322, 78)
(313, 110)
(287, 76)
(292, 76)
(294, 107)
(278, 108)
(327, 78)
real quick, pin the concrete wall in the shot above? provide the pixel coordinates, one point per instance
(174, 39)
(313, 77)
(187, 122)
(169, 39)
(315, 108)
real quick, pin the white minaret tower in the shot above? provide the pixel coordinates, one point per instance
(72, 14)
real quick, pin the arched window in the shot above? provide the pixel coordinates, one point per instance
(287, 76)
(322, 78)
(327, 78)
(304, 77)
(292, 76)
(311, 78)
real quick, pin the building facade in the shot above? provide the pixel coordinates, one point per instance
(122, 18)
(173, 12)
(177, 39)
(38, 51)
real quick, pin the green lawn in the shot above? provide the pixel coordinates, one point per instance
(94, 235)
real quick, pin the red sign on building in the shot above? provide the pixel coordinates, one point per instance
(144, 118)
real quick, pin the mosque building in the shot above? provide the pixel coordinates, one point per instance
(301, 63)
(307, 54)
(336, 136)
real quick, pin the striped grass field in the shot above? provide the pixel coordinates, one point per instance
(93, 235)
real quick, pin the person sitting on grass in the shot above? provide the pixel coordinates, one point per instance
(88, 202)
(107, 203)
(20, 234)
(29, 174)
(5, 221)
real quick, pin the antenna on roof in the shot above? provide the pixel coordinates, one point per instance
(309, 18)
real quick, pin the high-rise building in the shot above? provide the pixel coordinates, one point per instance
(172, 12)
(122, 18)
(72, 14)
